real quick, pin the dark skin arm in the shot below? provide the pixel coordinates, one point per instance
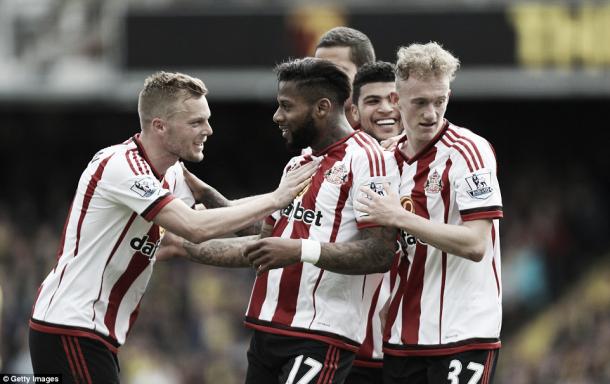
(372, 253)
(227, 252)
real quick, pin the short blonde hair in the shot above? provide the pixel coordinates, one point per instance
(163, 90)
(424, 61)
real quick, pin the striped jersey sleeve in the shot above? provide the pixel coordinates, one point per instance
(474, 176)
(134, 187)
(372, 168)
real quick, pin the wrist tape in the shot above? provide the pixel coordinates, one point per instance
(310, 251)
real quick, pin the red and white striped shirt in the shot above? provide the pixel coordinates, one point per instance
(370, 354)
(107, 249)
(303, 300)
(444, 304)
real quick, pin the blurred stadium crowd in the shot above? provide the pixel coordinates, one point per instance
(555, 244)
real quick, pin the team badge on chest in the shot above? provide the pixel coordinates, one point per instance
(337, 174)
(434, 183)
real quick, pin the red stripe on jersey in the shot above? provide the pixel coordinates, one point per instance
(454, 145)
(368, 154)
(137, 265)
(474, 146)
(366, 349)
(446, 202)
(378, 152)
(343, 195)
(60, 247)
(493, 261)
(130, 162)
(87, 198)
(291, 275)
(451, 135)
(402, 270)
(116, 246)
(270, 220)
(361, 138)
(259, 290)
(412, 310)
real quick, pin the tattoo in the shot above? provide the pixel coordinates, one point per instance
(219, 252)
(373, 253)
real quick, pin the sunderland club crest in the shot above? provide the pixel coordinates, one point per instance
(434, 183)
(337, 174)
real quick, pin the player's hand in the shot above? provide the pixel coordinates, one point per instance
(391, 143)
(382, 210)
(197, 186)
(171, 247)
(272, 252)
(294, 182)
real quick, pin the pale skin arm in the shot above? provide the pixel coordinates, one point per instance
(198, 226)
(373, 253)
(467, 240)
(211, 198)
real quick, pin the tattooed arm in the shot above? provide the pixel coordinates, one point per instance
(223, 252)
(372, 253)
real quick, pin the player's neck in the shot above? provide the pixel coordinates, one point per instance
(159, 158)
(411, 147)
(332, 133)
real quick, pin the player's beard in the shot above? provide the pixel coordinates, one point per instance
(304, 136)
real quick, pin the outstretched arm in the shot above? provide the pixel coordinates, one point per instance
(373, 253)
(198, 226)
(227, 252)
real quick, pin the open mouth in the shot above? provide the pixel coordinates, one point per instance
(385, 122)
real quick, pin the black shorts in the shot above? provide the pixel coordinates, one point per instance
(275, 359)
(79, 360)
(474, 367)
(364, 375)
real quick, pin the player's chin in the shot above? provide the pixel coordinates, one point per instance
(194, 157)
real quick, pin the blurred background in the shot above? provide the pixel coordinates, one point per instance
(535, 81)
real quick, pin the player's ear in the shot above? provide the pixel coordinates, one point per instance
(355, 113)
(323, 107)
(157, 124)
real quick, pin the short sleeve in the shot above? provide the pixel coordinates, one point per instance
(477, 191)
(140, 192)
(373, 172)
